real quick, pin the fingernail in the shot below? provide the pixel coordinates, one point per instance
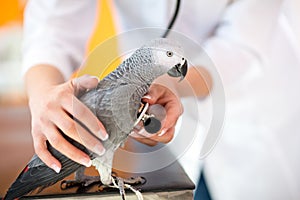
(86, 162)
(162, 132)
(99, 149)
(103, 136)
(55, 168)
(96, 78)
(146, 97)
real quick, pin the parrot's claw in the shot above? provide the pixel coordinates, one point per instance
(139, 180)
(64, 185)
(89, 180)
(81, 180)
(84, 181)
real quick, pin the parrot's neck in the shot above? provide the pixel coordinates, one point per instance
(132, 76)
(139, 70)
(136, 71)
(139, 83)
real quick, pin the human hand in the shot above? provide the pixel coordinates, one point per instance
(162, 95)
(166, 91)
(52, 109)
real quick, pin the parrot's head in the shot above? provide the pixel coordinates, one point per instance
(168, 57)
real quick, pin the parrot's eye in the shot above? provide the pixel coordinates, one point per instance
(169, 53)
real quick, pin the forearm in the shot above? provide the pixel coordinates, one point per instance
(57, 32)
(197, 83)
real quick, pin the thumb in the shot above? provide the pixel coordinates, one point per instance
(153, 94)
(83, 83)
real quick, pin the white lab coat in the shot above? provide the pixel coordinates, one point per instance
(257, 156)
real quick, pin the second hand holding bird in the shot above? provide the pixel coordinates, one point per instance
(162, 93)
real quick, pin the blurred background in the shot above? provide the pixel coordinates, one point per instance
(16, 149)
(11, 88)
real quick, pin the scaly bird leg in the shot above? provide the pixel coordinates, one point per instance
(84, 179)
(80, 180)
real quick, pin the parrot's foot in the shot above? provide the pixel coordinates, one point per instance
(139, 180)
(80, 180)
(84, 179)
(122, 184)
(89, 180)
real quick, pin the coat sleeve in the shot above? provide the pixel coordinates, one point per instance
(239, 44)
(291, 22)
(56, 33)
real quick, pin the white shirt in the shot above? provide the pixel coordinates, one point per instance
(253, 159)
(56, 32)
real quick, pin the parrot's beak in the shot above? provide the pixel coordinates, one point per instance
(179, 70)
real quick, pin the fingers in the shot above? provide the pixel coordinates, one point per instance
(84, 82)
(61, 145)
(42, 152)
(174, 110)
(53, 110)
(152, 96)
(78, 110)
(85, 116)
(74, 130)
(167, 136)
(159, 94)
(79, 85)
(146, 141)
(154, 139)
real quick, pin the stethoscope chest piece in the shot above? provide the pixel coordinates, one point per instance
(151, 124)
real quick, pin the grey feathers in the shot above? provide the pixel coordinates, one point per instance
(115, 102)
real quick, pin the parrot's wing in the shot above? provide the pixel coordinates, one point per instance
(126, 103)
(117, 111)
(104, 83)
(37, 175)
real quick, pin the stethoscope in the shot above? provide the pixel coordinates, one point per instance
(173, 19)
(150, 123)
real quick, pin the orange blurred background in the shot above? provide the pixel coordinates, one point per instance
(11, 17)
(11, 11)
(15, 140)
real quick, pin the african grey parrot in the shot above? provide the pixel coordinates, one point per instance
(115, 101)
